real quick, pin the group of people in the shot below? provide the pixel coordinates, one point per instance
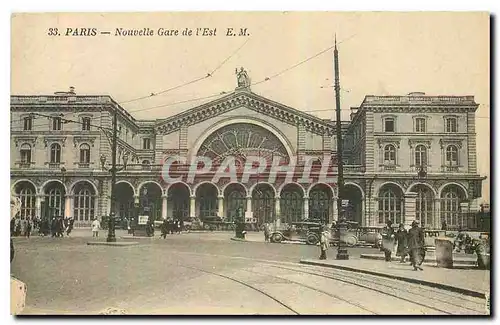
(170, 226)
(56, 227)
(409, 243)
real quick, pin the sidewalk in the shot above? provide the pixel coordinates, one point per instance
(471, 281)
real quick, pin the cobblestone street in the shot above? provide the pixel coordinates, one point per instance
(206, 273)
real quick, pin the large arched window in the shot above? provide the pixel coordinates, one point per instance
(424, 206)
(390, 204)
(55, 153)
(320, 203)
(55, 201)
(451, 196)
(291, 205)
(84, 202)
(27, 195)
(84, 154)
(25, 153)
(420, 155)
(390, 154)
(451, 155)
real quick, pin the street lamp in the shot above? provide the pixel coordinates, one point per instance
(113, 170)
(342, 253)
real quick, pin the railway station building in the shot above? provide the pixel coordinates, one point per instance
(405, 157)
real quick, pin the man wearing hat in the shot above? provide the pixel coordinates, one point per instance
(388, 240)
(416, 245)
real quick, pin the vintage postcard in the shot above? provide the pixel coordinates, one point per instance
(250, 163)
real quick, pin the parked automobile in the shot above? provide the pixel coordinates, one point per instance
(300, 231)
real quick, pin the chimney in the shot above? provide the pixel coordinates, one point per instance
(72, 90)
(416, 93)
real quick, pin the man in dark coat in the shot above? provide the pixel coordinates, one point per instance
(402, 240)
(164, 228)
(53, 227)
(388, 240)
(416, 245)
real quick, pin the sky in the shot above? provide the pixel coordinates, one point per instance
(380, 54)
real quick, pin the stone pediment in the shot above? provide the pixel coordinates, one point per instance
(251, 101)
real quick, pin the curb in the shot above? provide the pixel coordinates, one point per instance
(463, 291)
(461, 262)
(116, 244)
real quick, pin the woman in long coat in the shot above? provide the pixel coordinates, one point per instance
(416, 244)
(402, 240)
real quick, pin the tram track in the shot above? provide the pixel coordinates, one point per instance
(280, 302)
(383, 289)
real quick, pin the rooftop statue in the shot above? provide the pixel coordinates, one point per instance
(243, 78)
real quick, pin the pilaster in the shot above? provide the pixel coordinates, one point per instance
(369, 142)
(301, 142)
(471, 143)
(410, 209)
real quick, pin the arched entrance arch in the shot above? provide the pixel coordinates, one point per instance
(424, 209)
(354, 209)
(26, 192)
(390, 204)
(263, 203)
(320, 202)
(178, 195)
(84, 201)
(235, 196)
(54, 202)
(124, 201)
(451, 197)
(291, 203)
(206, 197)
(150, 199)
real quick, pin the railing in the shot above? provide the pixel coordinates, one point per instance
(389, 167)
(451, 169)
(58, 99)
(421, 99)
(54, 165)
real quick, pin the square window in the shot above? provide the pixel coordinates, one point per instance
(28, 123)
(420, 125)
(451, 125)
(56, 123)
(86, 124)
(389, 125)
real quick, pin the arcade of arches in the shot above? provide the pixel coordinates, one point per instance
(263, 202)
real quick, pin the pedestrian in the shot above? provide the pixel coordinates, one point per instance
(416, 244)
(402, 240)
(323, 242)
(60, 226)
(96, 225)
(177, 227)
(28, 228)
(17, 232)
(444, 226)
(164, 228)
(267, 232)
(388, 240)
(71, 221)
(13, 227)
(53, 227)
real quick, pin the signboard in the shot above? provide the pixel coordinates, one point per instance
(143, 220)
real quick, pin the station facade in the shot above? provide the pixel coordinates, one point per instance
(405, 158)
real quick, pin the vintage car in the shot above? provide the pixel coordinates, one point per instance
(298, 231)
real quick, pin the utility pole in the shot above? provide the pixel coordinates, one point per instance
(111, 222)
(342, 253)
(340, 163)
